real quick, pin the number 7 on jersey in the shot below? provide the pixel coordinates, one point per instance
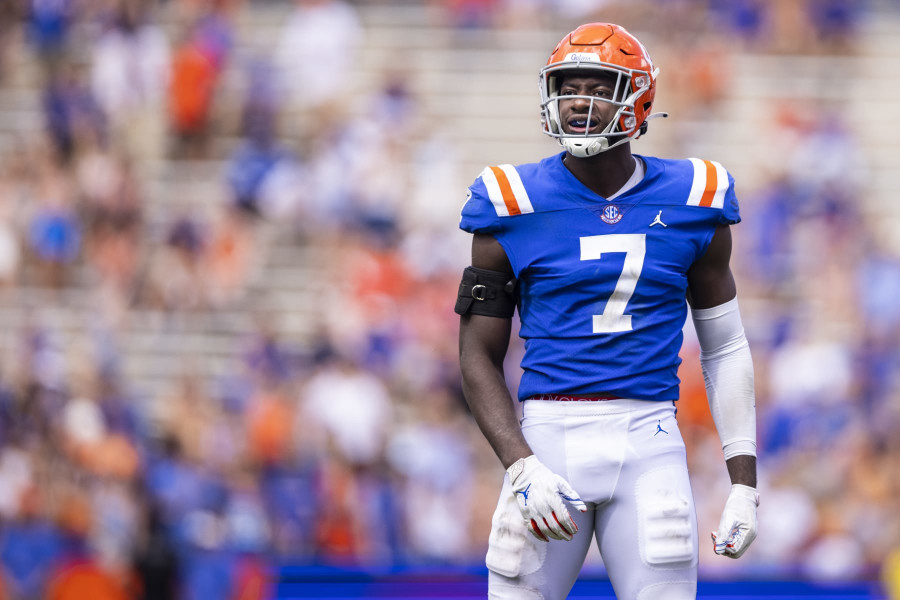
(634, 245)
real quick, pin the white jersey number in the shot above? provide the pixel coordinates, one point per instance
(634, 245)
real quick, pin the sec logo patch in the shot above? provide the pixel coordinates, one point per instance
(611, 214)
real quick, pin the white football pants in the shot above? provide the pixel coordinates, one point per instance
(626, 459)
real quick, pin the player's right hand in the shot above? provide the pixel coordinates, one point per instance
(540, 493)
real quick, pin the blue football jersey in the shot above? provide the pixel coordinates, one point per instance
(602, 283)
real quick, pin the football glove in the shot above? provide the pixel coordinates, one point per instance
(540, 493)
(737, 527)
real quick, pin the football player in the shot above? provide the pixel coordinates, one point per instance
(602, 251)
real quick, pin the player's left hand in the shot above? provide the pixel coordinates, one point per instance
(737, 527)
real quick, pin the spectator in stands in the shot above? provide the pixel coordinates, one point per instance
(745, 19)
(293, 523)
(70, 110)
(54, 232)
(49, 22)
(175, 280)
(353, 409)
(370, 190)
(433, 454)
(112, 213)
(84, 579)
(155, 561)
(197, 66)
(835, 22)
(268, 418)
(258, 158)
(231, 254)
(30, 545)
(130, 75)
(339, 534)
(318, 46)
(190, 97)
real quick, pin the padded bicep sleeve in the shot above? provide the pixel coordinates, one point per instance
(487, 293)
(728, 375)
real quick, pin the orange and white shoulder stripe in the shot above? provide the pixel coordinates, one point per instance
(506, 191)
(709, 185)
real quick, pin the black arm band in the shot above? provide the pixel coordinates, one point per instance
(487, 293)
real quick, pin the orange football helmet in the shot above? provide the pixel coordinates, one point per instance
(600, 48)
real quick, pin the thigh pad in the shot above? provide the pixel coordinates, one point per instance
(665, 518)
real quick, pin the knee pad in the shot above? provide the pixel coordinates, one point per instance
(665, 518)
(670, 590)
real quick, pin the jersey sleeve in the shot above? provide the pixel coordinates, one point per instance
(713, 187)
(497, 193)
(478, 213)
(731, 210)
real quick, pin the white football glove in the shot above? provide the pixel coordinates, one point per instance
(737, 527)
(540, 493)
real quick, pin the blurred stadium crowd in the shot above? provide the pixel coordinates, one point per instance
(349, 443)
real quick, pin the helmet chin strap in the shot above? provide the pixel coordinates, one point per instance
(643, 128)
(587, 147)
(579, 149)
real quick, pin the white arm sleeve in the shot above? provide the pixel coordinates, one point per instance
(728, 374)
